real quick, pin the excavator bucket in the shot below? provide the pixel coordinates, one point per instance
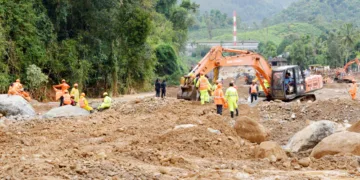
(187, 93)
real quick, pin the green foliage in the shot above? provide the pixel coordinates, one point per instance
(167, 60)
(320, 12)
(249, 10)
(35, 78)
(268, 49)
(101, 44)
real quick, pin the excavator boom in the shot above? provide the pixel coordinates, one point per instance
(342, 74)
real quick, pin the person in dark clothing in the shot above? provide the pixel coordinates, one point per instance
(163, 89)
(157, 87)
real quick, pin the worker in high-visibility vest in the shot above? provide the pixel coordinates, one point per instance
(253, 91)
(203, 85)
(219, 98)
(353, 90)
(232, 98)
(83, 103)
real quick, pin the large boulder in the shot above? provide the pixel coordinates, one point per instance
(310, 136)
(66, 111)
(270, 150)
(14, 106)
(251, 130)
(355, 127)
(338, 143)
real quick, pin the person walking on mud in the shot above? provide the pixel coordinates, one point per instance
(157, 87)
(163, 88)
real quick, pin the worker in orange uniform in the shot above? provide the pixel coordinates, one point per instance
(84, 103)
(60, 91)
(203, 85)
(12, 90)
(353, 90)
(25, 95)
(219, 99)
(18, 86)
(67, 98)
(253, 91)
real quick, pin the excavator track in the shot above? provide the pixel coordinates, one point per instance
(307, 98)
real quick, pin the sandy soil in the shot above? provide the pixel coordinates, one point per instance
(137, 139)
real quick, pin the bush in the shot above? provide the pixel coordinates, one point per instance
(36, 80)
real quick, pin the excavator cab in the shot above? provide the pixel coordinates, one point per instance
(287, 83)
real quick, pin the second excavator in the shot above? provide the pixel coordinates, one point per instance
(286, 82)
(342, 75)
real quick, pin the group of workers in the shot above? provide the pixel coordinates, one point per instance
(229, 99)
(74, 98)
(17, 88)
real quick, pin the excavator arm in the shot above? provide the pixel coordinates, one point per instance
(356, 60)
(215, 59)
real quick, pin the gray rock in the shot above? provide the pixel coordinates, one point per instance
(311, 135)
(15, 105)
(66, 111)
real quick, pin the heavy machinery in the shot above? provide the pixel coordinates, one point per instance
(342, 75)
(214, 59)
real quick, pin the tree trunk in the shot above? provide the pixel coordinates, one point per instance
(114, 72)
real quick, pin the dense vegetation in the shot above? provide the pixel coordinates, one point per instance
(101, 44)
(321, 12)
(249, 10)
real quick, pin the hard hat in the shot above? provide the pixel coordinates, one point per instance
(76, 85)
(232, 81)
(66, 91)
(105, 94)
(17, 80)
(219, 85)
(22, 89)
(63, 80)
(253, 81)
(82, 94)
(72, 96)
(218, 81)
(353, 80)
(201, 72)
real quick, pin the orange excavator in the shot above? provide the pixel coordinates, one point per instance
(286, 82)
(342, 75)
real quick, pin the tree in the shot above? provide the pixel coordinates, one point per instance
(167, 60)
(347, 37)
(268, 50)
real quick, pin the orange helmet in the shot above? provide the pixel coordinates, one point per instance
(82, 94)
(219, 85)
(63, 80)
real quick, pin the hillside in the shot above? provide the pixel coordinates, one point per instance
(248, 10)
(318, 12)
(274, 33)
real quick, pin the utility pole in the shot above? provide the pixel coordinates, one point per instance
(235, 28)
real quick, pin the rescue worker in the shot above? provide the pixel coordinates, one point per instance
(107, 102)
(66, 98)
(83, 103)
(214, 87)
(60, 93)
(219, 99)
(12, 90)
(232, 98)
(73, 103)
(18, 86)
(203, 85)
(25, 95)
(353, 90)
(253, 90)
(75, 92)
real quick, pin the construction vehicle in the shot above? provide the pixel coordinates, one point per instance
(342, 75)
(300, 86)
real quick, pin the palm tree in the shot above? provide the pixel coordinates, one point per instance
(347, 37)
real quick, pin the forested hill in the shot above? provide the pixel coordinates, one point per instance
(104, 45)
(320, 11)
(249, 10)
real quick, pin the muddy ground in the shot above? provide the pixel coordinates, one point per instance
(137, 139)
